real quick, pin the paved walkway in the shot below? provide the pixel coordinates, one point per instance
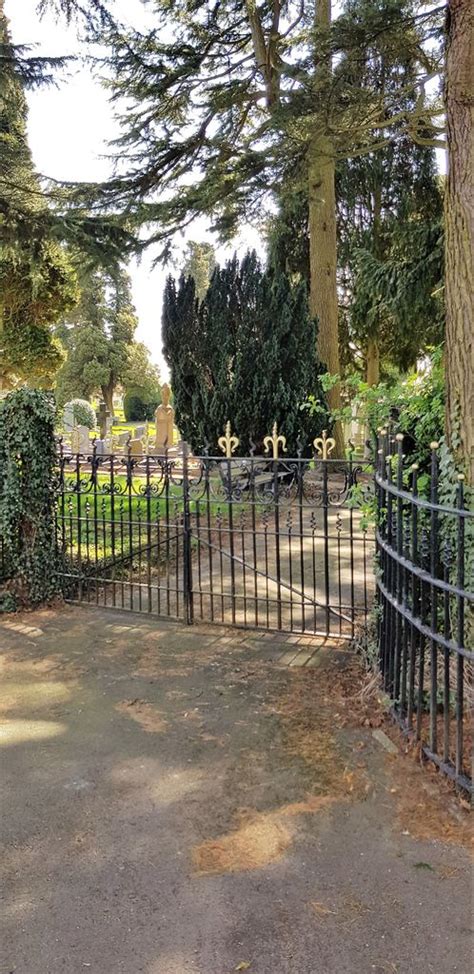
(199, 800)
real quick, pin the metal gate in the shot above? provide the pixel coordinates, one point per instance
(260, 542)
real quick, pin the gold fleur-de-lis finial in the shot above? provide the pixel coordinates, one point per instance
(324, 445)
(228, 443)
(273, 441)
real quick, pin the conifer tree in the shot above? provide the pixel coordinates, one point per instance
(37, 280)
(246, 353)
(99, 339)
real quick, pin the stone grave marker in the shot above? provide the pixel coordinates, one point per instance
(164, 419)
(68, 418)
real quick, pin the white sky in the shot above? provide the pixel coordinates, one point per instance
(68, 129)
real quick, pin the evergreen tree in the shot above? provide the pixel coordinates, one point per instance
(199, 263)
(37, 280)
(99, 339)
(246, 353)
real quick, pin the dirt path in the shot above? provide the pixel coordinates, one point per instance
(197, 800)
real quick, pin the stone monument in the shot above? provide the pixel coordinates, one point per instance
(164, 419)
(103, 415)
(80, 442)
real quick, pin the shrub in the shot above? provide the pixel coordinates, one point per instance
(413, 404)
(138, 409)
(83, 412)
(28, 490)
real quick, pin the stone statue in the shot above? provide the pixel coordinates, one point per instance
(164, 419)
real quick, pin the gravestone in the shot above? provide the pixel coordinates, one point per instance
(139, 431)
(80, 442)
(164, 419)
(136, 447)
(103, 415)
(68, 418)
(100, 448)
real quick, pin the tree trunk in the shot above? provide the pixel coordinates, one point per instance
(459, 234)
(322, 226)
(108, 394)
(373, 363)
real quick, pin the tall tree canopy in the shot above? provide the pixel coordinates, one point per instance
(37, 280)
(238, 97)
(99, 340)
(246, 354)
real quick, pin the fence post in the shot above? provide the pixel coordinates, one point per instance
(187, 552)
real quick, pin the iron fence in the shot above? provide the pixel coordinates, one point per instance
(425, 611)
(257, 541)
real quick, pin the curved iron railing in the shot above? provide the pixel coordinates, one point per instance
(425, 611)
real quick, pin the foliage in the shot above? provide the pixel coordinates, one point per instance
(37, 280)
(99, 340)
(83, 413)
(137, 409)
(414, 403)
(141, 376)
(199, 263)
(246, 354)
(28, 495)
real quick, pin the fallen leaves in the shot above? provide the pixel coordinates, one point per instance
(150, 719)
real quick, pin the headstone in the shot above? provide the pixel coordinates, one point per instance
(100, 448)
(102, 416)
(139, 431)
(136, 447)
(164, 419)
(68, 418)
(80, 442)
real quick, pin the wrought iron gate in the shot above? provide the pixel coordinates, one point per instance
(260, 542)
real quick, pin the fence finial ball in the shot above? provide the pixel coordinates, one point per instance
(383, 431)
(434, 445)
(415, 466)
(461, 476)
(399, 437)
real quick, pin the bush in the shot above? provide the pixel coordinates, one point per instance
(28, 493)
(83, 412)
(137, 409)
(414, 405)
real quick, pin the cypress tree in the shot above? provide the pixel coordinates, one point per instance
(246, 353)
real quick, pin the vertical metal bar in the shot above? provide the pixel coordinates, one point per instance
(104, 546)
(230, 516)
(79, 525)
(446, 654)
(398, 573)
(112, 523)
(290, 567)
(460, 632)
(139, 526)
(254, 536)
(244, 578)
(326, 541)
(300, 498)
(414, 598)
(148, 530)
(130, 518)
(434, 601)
(221, 568)
(122, 558)
(351, 542)
(276, 504)
(198, 553)
(209, 532)
(187, 551)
